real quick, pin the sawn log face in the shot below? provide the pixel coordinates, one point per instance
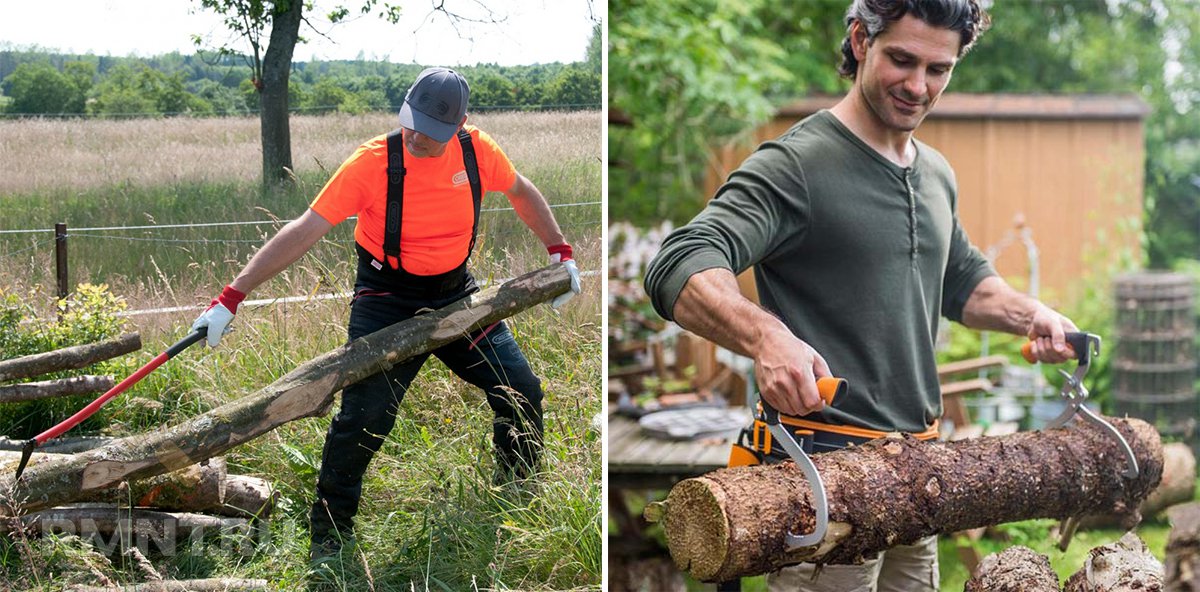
(731, 522)
(305, 392)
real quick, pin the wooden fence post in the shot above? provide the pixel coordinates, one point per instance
(60, 258)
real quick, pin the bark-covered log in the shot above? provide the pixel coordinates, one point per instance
(194, 488)
(68, 358)
(731, 522)
(307, 391)
(68, 445)
(208, 585)
(1124, 565)
(100, 522)
(247, 497)
(62, 387)
(1183, 549)
(1015, 569)
(1178, 485)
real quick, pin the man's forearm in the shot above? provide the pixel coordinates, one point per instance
(534, 211)
(996, 306)
(711, 306)
(283, 249)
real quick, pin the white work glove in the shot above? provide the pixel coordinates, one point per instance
(563, 254)
(219, 314)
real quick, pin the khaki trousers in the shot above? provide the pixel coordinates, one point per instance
(905, 568)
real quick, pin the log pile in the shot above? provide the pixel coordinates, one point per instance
(1183, 549)
(1123, 565)
(731, 523)
(184, 502)
(68, 358)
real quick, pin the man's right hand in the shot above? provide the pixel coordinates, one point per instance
(219, 314)
(787, 370)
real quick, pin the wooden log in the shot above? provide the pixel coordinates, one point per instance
(307, 391)
(103, 523)
(1015, 569)
(68, 358)
(62, 387)
(246, 497)
(195, 488)
(206, 585)
(1183, 549)
(1124, 565)
(1178, 485)
(731, 523)
(69, 445)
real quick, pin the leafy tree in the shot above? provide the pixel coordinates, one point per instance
(40, 88)
(574, 87)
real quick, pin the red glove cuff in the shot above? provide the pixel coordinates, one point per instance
(229, 297)
(564, 250)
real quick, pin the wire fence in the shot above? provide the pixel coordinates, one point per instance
(104, 253)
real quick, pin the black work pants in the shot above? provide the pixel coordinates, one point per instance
(490, 361)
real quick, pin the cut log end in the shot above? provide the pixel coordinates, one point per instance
(1015, 569)
(704, 533)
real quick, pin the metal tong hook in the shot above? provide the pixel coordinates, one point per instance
(1076, 393)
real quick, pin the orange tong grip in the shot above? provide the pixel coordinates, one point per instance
(830, 387)
(1027, 352)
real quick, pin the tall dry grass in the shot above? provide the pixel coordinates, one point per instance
(41, 154)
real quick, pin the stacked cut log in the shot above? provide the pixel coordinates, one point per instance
(197, 498)
(1124, 565)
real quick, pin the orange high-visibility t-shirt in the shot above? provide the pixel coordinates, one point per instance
(435, 231)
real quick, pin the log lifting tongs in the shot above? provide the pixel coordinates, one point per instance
(828, 388)
(1085, 345)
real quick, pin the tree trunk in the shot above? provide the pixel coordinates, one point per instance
(307, 391)
(68, 358)
(731, 522)
(273, 98)
(1015, 569)
(1183, 549)
(1124, 565)
(63, 387)
(210, 585)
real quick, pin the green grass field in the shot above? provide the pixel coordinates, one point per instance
(431, 520)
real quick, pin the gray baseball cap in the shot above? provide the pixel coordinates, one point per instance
(436, 103)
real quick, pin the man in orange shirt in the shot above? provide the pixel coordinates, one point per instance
(417, 194)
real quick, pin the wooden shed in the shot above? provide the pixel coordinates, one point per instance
(1070, 167)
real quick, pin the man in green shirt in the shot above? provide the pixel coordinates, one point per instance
(851, 225)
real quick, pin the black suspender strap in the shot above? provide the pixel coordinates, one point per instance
(395, 192)
(395, 198)
(472, 167)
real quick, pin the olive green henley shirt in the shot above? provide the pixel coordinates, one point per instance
(857, 255)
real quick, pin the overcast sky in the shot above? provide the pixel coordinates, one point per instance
(530, 31)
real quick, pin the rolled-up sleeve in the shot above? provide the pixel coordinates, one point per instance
(763, 201)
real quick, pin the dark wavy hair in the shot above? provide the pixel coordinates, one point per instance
(964, 16)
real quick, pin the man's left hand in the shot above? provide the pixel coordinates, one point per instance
(563, 254)
(1047, 329)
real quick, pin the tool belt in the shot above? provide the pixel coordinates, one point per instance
(755, 446)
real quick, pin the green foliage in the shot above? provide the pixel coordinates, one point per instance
(690, 75)
(40, 88)
(86, 316)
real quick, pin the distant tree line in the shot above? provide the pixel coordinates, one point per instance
(42, 83)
